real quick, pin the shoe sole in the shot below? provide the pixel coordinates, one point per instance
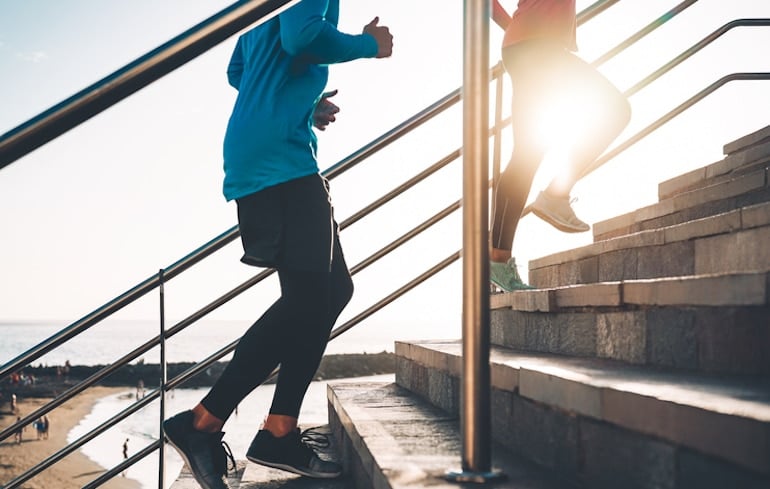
(558, 224)
(496, 284)
(294, 470)
(203, 484)
(506, 289)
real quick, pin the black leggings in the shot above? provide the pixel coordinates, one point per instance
(541, 73)
(292, 333)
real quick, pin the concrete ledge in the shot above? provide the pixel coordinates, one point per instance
(747, 141)
(745, 151)
(727, 418)
(709, 289)
(607, 294)
(185, 479)
(403, 441)
(707, 226)
(671, 186)
(532, 300)
(739, 185)
(727, 242)
(743, 251)
(748, 289)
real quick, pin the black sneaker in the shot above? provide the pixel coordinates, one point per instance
(293, 453)
(205, 453)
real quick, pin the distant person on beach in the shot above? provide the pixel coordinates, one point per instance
(547, 77)
(66, 370)
(19, 433)
(286, 222)
(139, 389)
(14, 406)
(125, 454)
(46, 426)
(39, 428)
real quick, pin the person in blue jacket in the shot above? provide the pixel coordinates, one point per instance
(280, 69)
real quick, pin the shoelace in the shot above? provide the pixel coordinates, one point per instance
(314, 438)
(221, 457)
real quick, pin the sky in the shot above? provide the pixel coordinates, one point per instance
(131, 191)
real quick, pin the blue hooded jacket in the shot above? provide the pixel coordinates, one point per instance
(280, 70)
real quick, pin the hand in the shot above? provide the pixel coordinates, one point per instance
(324, 110)
(383, 37)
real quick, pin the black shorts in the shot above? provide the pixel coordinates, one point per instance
(289, 225)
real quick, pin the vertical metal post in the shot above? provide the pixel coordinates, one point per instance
(475, 383)
(163, 380)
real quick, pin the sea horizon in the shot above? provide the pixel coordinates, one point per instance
(111, 339)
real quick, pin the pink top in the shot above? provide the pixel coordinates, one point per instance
(543, 19)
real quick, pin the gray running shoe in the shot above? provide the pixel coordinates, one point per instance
(557, 211)
(506, 276)
(293, 453)
(205, 453)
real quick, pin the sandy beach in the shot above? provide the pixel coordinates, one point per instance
(73, 471)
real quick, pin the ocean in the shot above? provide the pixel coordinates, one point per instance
(110, 340)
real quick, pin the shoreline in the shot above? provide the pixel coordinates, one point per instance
(73, 471)
(49, 381)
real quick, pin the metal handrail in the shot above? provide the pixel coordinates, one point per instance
(677, 60)
(689, 52)
(335, 170)
(673, 113)
(643, 32)
(136, 75)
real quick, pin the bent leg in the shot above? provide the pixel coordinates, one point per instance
(605, 113)
(310, 335)
(515, 181)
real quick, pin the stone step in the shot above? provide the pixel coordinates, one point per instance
(709, 323)
(734, 241)
(748, 141)
(739, 191)
(743, 155)
(610, 424)
(394, 439)
(711, 290)
(185, 479)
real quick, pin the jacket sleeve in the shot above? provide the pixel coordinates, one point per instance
(310, 28)
(235, 68)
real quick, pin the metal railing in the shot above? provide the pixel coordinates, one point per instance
(71, 112)
(152, 66)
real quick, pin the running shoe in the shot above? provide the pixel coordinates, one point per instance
(294, 453)
(205, 453)
(557, 211)
(506, 276)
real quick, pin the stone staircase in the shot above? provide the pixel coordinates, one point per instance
(641, 360)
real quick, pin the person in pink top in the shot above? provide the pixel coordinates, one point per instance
(537, 52)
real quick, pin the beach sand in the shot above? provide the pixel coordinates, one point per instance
(75, 470)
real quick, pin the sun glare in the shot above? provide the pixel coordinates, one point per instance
(558, 121)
